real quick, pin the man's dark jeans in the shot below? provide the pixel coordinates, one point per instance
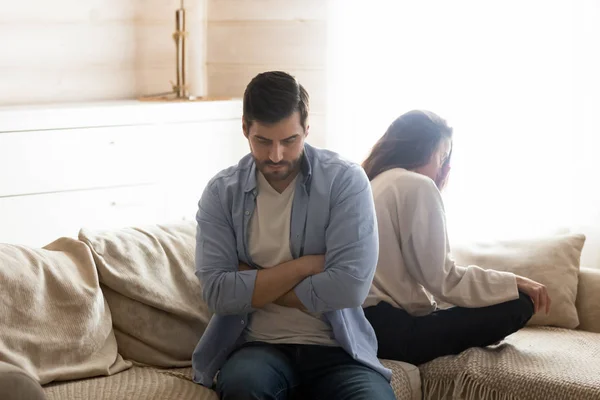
(417, 340)
(285, 371)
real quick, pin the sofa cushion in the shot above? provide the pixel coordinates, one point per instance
(56, 324)
(139, 383)
(552, 261)
(16, 384)
(588, 299)
(536, 363)
(406, 380)
(148, 278)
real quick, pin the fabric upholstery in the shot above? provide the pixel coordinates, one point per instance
(552, 261)
(536, 363)
(148, 383)
(16, 384)
(139, 383)
(56, 324)
(148, 278)
(406, 380)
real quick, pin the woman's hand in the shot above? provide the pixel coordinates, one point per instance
(537, 292)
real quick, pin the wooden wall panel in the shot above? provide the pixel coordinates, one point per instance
(231, 79)
(294, 43)
(85, 50)
(263, 10)
(246, 37)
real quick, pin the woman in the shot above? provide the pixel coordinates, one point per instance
(408, 167)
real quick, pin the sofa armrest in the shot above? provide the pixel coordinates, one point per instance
(588, 299)
(16, 384)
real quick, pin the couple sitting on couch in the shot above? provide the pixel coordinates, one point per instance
(314, 273)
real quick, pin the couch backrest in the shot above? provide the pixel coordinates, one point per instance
(147, 274)
(588, 299)
(55, 323)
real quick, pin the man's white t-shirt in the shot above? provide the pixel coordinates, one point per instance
(269, 246)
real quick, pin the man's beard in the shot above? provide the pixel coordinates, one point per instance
(289, 167)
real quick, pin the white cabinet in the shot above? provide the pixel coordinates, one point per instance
(104, 168)
(36, 220)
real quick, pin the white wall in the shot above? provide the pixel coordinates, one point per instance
(80, 50)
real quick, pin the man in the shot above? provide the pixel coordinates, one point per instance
(286, 251)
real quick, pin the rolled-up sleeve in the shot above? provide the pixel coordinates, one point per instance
(224, 289)
(426, 253)
(351, 248)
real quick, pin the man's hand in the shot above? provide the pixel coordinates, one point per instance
(306, 266)
(244, 267)
(272, 283)
(290, 300)
(537, 292)
(313, 264)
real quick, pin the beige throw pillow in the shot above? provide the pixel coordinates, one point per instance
(148, 277)
(55, 323)
(552, 261)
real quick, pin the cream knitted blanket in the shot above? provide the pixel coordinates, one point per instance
(533, 364)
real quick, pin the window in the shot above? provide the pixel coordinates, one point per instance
(519, 81)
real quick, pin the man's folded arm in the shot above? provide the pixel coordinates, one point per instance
(225, 288)
(352, 249)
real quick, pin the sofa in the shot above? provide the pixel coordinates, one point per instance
(116, 314)
(111, 314)
(557, 355)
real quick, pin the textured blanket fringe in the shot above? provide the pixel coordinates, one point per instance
(437, 389)
(466, 388)
(463, 388)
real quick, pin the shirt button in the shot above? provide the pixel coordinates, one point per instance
(247, 212)
(242, 322)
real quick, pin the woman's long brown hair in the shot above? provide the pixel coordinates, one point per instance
(408, 143)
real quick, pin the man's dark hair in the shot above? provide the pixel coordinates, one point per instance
(273, 96)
